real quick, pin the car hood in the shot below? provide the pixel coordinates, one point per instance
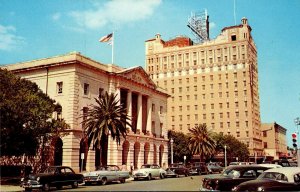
(258, 182)
(217, 177)
(35, 176)
(254, 184)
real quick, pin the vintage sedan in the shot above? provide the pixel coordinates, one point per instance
(149, 171)
(198, 168)
(231, 177)
(53, 176)
(104, 174)
(277, 179)
(177, 169)
(214, 168)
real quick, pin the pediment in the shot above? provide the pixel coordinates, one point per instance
(138, 74)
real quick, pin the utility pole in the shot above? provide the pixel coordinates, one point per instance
(297, 122)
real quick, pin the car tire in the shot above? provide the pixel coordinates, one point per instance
(135, 179)
(149, 177)
(104, 181)
(162, 176)
(46, 187)
(58, 187)
(28, 189)
(75, 184)
(122, 180)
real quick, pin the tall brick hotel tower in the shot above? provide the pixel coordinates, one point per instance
(214, 82)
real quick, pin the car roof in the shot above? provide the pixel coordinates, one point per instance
(245, 166)
(285, 170)
(270, 165)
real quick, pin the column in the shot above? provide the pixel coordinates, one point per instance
(140, 108)
(112, 152)
(149, 115)
(90, 160)
(150, 157)
(129, 107)
(118, 95)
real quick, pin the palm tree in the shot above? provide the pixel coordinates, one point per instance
(104, 118)
(201, 141)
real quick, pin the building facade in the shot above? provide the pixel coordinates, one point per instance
(215, 82)
(274, 140)
(74, 80)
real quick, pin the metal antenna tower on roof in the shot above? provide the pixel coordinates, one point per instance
(199, 24)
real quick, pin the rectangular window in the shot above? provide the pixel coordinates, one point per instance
(196, 107)
(86, 87)
(265, 133)
(59, 86)
(153, 107)
(161, 110)
(100, 91)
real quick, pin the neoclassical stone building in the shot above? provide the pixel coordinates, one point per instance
(74, 80)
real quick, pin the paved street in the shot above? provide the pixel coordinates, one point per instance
(191, 183)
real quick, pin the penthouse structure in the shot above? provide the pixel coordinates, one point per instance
(213, 82)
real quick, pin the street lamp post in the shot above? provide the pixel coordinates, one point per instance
(171, 141)
(225, 156)
(297, 122)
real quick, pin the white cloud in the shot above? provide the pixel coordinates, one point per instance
(56, 16)
(8, 40)
(116, 12)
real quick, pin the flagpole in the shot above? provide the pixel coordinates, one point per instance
(112, 47)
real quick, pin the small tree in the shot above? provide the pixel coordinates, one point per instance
(235, 148)
(180, 146)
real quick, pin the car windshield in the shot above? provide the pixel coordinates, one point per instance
(103, 169)
(232, 173)
(273, 176)
(50, 170)
(146, 166)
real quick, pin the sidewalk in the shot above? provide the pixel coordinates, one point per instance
(11, 188)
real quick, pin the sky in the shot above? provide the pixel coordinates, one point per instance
(35, 29)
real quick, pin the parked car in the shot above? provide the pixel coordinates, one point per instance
(231, 177)
(53, 176)
(171, 172)
(214, 168)
(241, 163)
(149, 171)
(277, 179)
(198, 168)
(177, 169)
(285, 163)
(106, 174)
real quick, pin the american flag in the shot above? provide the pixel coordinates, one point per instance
(106, 38)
